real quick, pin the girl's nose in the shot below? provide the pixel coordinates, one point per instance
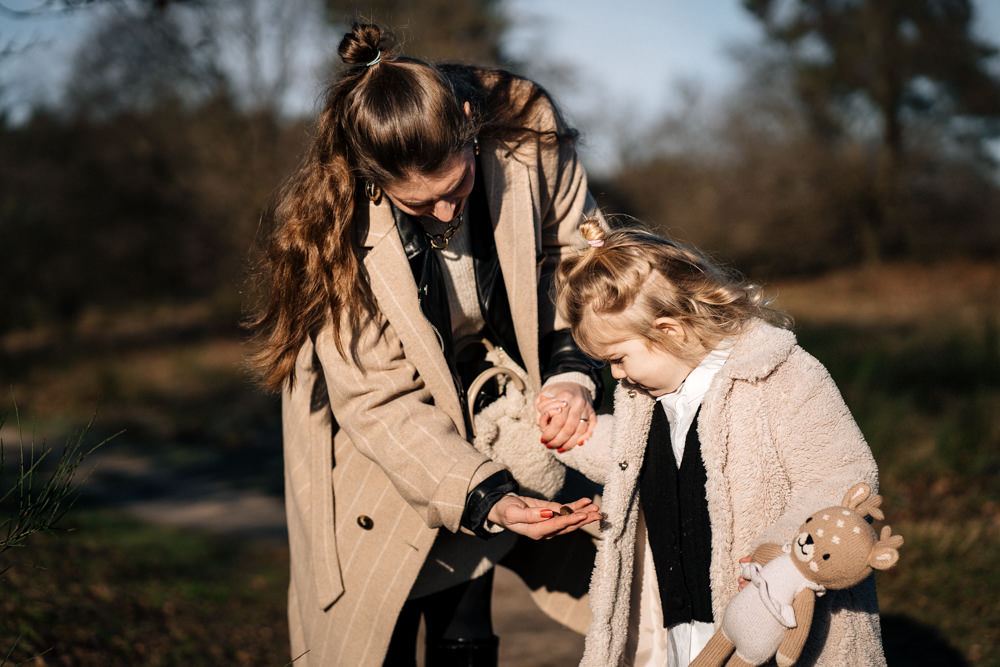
(617, 372)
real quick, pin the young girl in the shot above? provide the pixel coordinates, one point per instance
(725, 435)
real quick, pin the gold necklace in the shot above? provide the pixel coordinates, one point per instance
(441, 241)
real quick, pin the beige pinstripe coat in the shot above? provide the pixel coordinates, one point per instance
(399, 456)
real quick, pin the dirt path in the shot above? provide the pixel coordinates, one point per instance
(528, 638)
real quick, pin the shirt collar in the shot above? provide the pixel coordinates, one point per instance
(696, 384)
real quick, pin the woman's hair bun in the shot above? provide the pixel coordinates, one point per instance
(364, 43)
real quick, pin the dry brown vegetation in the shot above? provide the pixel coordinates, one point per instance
(130, 209)
(913, 346)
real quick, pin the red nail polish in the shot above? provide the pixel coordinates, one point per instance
(546, 514)
(580, 444)
(544, 441)
(560, 450)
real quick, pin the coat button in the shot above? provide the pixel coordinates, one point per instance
(365, 522)
(631, 393)
(623, 465)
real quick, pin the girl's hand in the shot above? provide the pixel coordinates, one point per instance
(741, 582)
(566, 415)
(541, 519)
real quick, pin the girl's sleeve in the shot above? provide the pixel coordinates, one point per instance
(593, 458)
(387, 411)
(820, 445)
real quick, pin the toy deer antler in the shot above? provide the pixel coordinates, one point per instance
(861, 500)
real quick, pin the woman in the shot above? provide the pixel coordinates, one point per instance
(431, 209)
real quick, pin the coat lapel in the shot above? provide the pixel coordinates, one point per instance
(512, 192)
(396, 293)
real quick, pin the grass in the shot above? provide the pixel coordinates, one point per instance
(40, 488)
(914, 349)
(916, 353)
(928, 409)
(114, 591)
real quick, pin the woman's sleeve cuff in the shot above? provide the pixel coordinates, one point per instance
(481, 500)
(577, 377)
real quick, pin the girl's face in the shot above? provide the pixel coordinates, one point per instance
(441, 194)
(640, 362)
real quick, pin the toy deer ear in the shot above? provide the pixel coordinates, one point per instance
(882, 558)
(857, 494)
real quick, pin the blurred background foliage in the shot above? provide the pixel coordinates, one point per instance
(853, 170)
(147, 178)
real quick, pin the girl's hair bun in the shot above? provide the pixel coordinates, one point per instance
(592, 232)
(365, 43)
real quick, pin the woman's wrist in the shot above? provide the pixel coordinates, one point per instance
(481, 500)
(576, 377)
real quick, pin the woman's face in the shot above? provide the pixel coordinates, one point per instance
(441, 194)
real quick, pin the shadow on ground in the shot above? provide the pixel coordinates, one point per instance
(909, 642)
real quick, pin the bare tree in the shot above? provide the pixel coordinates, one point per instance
(904, 61)
(439, 30)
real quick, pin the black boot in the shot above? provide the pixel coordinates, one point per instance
(463, 652)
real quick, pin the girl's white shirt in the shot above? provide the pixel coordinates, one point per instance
(649, 642)
(682, 405)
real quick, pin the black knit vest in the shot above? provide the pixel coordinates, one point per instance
(676, 510)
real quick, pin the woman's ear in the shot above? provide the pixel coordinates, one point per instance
(468, 108)
(671, 327)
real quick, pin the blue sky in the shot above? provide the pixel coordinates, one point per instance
(633, 48)
(629, 55)
(625, 55)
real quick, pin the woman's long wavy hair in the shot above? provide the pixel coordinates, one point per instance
(637, 277)
(385, 117)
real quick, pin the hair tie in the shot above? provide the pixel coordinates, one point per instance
(376, 61)
(596, 243)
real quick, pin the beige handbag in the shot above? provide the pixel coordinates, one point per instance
(506, 430)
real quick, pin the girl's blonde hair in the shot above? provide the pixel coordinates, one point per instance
(640, 277)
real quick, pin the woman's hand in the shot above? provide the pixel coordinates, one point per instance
(541, 519)
(566, 415)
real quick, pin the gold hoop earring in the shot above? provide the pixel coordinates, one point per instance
(373, 192)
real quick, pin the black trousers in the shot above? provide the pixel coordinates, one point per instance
(458, 624)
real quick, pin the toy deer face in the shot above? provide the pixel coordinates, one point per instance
(836, 547)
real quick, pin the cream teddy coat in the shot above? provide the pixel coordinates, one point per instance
(778, 442)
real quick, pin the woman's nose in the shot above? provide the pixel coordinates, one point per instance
(444, 210)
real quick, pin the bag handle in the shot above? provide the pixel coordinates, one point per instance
(477, 384)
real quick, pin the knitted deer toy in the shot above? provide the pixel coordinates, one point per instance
(836, 548)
